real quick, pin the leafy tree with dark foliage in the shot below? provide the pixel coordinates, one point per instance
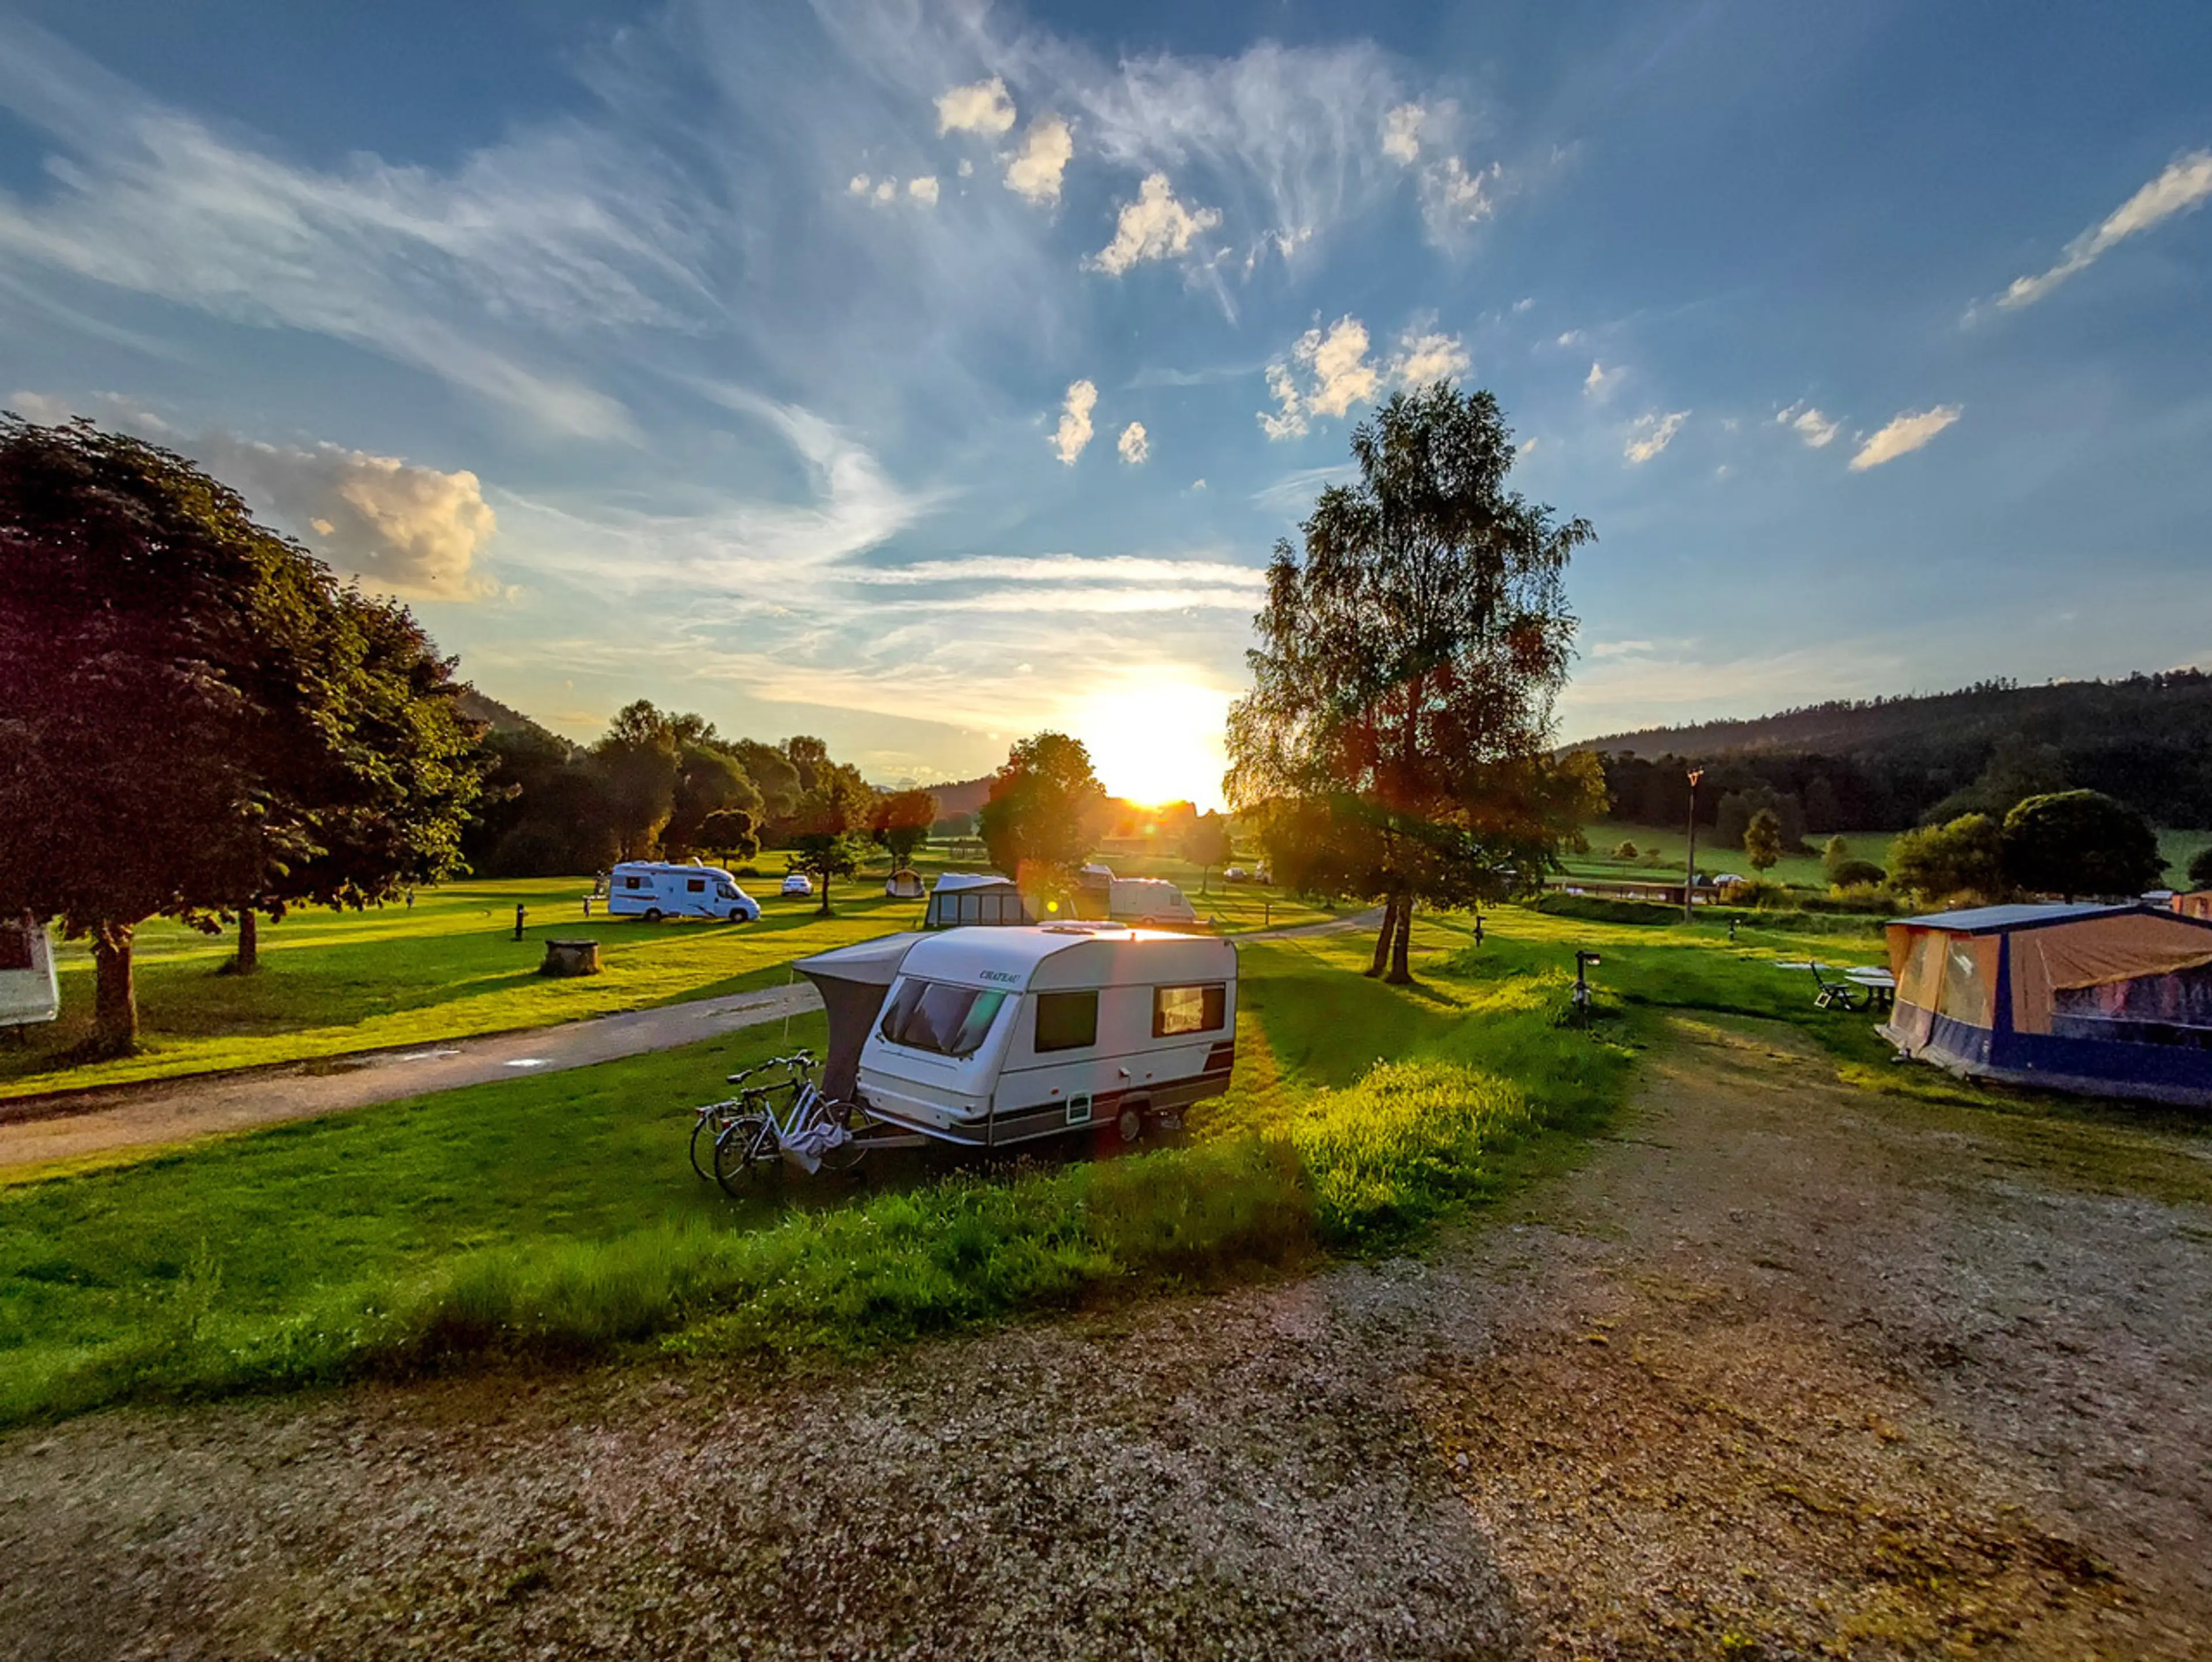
(1962, 860)
(730, 832)
(1395, 744)
(1206, 844)
(2080, 842)
(902, 822)
(1045, 810)
(829, 828)
(2200, 868)
(1762, 840)
(195, 719)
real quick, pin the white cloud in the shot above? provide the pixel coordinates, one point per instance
(887, 190)
(1454, 198)
(923, 190)
(1598, 384)
(967, 168)
(1034, 170)
(2186, 184)
(1904, 434)
(1133, 445)
(1074, 430)
(1809, 424)
(1571, 337)
(403, 529)
(1197, 485)
(1422, 358)
(984, 107)
(1650, 435)
(1328, 371)
(1154, 226)
(1402, 133)
(1132, 570)
(1524, 302)
(860, 184)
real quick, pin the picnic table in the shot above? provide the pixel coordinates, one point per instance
(1848, 987)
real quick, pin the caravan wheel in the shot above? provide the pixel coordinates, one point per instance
(1130, 1121)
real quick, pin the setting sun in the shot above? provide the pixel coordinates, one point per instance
(1157, 740)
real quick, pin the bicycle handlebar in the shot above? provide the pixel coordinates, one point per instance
(798, 1061)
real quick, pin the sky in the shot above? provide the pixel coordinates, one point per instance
(923, 375)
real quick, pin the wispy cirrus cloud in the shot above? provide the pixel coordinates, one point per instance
(1650, 435)
(2184, 186)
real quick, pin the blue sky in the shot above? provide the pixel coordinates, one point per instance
(923, 375)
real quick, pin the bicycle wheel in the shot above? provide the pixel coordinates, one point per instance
(844, 1156)
(746, 1156)
(706, 1125)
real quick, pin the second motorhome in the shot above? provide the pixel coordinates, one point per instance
(654, 889)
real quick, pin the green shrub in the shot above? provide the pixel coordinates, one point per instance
(1626, 851)
(1591, 908)
(1855, 873)
(2200, 868)
(1759, 893)
(1870, 899)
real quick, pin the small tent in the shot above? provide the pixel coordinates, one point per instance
(903, 884)
(2104, 1000)
(852, 981)
(2195, 903)
(28, 992)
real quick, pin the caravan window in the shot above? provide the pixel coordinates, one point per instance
(936, 1016)
(632, 882)
(1066, 1021)
(1189, 1010)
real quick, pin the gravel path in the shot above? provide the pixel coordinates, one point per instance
(1782, 1366)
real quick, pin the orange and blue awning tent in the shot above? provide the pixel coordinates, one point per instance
(2106, 1000)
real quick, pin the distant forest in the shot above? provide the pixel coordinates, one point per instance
(1885, 763)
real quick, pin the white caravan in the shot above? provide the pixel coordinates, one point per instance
(1146, 900)
(652, 890)
(992, 1037)
(28, 992)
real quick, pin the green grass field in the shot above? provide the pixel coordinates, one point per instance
(333, 983)
(1661, 851)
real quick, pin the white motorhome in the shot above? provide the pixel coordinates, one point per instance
(28, 992)
(654, 889)
(1146, 900)
(992, 1037)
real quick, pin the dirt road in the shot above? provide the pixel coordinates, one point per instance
(1782, 1370)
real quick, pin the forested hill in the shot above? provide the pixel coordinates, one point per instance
(480, 706)
(1883, 762)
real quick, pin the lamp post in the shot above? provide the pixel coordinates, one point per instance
(1690, 871)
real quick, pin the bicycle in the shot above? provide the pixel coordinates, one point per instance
(750, 1146)
(710, 1120)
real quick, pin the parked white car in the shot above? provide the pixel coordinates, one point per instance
(797, 884)
(654, 889)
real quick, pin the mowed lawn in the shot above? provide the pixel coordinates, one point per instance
(559, 1214)
(449, 966)
(557, 1217)
(1661, 851)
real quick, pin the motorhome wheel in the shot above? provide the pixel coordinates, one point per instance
(737, 914)
(652, 913)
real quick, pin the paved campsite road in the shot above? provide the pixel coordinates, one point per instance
(1784, 1370)
(39, 1130)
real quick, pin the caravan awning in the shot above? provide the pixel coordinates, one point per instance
(852, 981)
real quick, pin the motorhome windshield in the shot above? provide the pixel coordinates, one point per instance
(937, 1016)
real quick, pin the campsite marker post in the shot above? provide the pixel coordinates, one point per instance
(1690, 870)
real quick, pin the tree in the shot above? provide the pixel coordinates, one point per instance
(1837, 853)
(638, 758)
(828, 828)
(1965, 857)
(1045, 805)
(194, 717)
(730, 832)
(1625, 851)
(2080, 842)
(1206, 844)
(1855, 873)
(1395, 744)
(1762, 840)
(2200, 868)
(709, 778)
(902, 822)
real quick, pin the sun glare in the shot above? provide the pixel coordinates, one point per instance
(1158, 741)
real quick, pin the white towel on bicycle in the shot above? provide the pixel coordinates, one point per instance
(805, 1146)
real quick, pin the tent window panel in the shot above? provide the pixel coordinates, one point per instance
(1066, 1021)
(971, 909)
(2151, 1009)
(1966, 991)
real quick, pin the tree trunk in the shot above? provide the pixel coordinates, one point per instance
(1401, 975)
(822, 910)
(248, 959)
(115, 1006)
(1383, 937)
